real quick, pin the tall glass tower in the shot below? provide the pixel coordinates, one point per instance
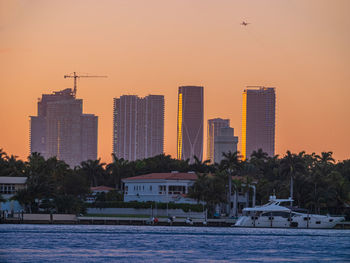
(138, 126)
(258, 120)
(190, 123)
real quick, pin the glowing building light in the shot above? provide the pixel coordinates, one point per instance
(190, 123)
(244, 126)
(179, 128)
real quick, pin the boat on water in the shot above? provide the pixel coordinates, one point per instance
(274, 214)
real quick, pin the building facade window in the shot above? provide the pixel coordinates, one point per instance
(162, 189)
(7, 189)
(177, 189)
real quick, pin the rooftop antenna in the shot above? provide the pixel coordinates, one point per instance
(75, 76)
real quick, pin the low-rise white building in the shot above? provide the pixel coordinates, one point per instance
(173, 187)
(8, 188)
(159, 187)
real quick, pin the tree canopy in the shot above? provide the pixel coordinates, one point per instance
(319, 183)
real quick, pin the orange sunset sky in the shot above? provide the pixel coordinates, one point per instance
(151, 47)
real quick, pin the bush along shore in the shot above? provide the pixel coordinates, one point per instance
(147, 205)
(320, 184)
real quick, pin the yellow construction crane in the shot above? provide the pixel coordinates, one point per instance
(75, 76)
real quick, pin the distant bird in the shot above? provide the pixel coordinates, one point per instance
(244, 23)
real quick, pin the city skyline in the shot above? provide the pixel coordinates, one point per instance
(155, 47)
(111, 109)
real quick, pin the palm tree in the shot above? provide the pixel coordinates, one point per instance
(199, 188)
(231, 164)
(324, 162)
(35, 164)
(232, 160)
(291, 164)
(10, 165)
(41, 183)
(344, 168)
(57, 171)
(258, 159)
(319, 167)
(93, 170)
(260, 155)
(210, 189)
(269, 180)
(2, 154)
(326, 157)
(116, 169)
(339, 189)
(26, 198)
(199, 166)
(3, 162)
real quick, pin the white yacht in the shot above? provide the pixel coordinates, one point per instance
(274, 214)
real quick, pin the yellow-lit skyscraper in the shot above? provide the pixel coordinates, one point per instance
(190, 123)
(258, 120)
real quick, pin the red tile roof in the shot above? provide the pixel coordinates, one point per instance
(164, 176)
(102, 188)
(173, 176)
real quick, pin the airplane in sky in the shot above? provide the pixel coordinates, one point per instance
(244, 23)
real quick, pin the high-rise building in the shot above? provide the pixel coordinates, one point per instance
(154, 125)
(214, 126)
(138, 126)
(89, 129)
(190, 123)
(124, 127)
(62, 130)
(258, 120)
(224, 142)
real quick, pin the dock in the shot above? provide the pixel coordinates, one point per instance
(147, 221)
(97, 220)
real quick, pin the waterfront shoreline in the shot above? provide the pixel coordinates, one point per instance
(68, 219)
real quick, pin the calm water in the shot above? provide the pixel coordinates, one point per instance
(78, 243)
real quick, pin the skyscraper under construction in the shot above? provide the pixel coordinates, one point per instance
(61, 129)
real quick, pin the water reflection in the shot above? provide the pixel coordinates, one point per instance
(73, 243)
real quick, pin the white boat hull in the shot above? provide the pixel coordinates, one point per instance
(296, 221)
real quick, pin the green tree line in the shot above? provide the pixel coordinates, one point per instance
(317, 182)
